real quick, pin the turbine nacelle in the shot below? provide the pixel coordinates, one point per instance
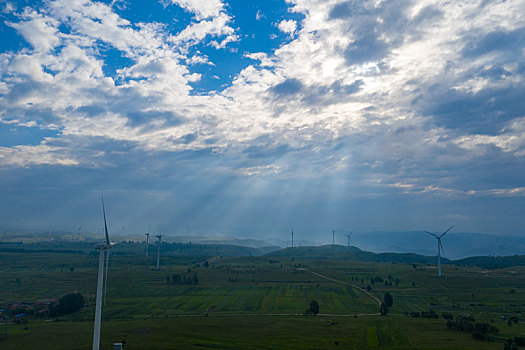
(104, 246)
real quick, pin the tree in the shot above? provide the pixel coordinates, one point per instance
(68, 304)
(176, 278)
(383, 309)
(389, 301)
(510, 345)
(206, 264)
(314, 307)
(195, 278)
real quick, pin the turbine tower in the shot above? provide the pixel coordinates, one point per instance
(333, 237)
(147, 241)
(440, 247)
(159, 239)
(348, 236)
(292, 236)
(102, 247)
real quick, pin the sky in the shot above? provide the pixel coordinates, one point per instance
(246, 118)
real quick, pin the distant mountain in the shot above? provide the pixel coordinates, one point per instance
(456, 245)
(251, 243)
(339, 252)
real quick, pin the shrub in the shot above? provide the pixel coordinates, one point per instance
(383, 310)
(389, 300)
(314, 307)
(68, 304)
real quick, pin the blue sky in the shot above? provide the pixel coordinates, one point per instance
(247, 117)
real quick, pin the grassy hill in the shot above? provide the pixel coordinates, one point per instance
(492, 262)
(136, 248)
(325, 252)
(339, 252)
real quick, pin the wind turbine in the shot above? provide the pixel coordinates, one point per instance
(102, 247)
(159, 240)
(147, 241)
(292, 236)
(348, 236)
(440, 247)
(79, 230)
(333, 237)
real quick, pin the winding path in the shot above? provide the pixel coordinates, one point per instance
(349, 284)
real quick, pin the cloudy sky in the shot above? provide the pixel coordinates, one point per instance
(247, 117)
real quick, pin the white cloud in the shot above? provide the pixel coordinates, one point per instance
(509, 139)
(312, 95)
(288, 26)
(8, 7)
(201, 8)
(197, 32)
(259, 15)
(270, 169)
(265, 61)
(199, 59)
(39, 30)
(24, 156)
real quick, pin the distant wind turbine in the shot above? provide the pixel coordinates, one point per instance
(159, 240)
(292, 236)
(440, 247)
(147, 240)
(333, 237)
(348, 236)
(102, 247)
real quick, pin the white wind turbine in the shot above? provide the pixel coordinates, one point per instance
(103, 247)
(348, 236)
(440, 247)
(159, 240)
(147, 241)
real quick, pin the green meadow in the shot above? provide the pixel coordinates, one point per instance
(259, 303)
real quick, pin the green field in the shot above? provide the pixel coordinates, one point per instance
(258, 303)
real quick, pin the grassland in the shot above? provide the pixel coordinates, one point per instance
(258, 303)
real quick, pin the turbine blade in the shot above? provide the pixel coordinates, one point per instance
(441, 246)
(430, 233)
(444, 233)
(105, 222)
